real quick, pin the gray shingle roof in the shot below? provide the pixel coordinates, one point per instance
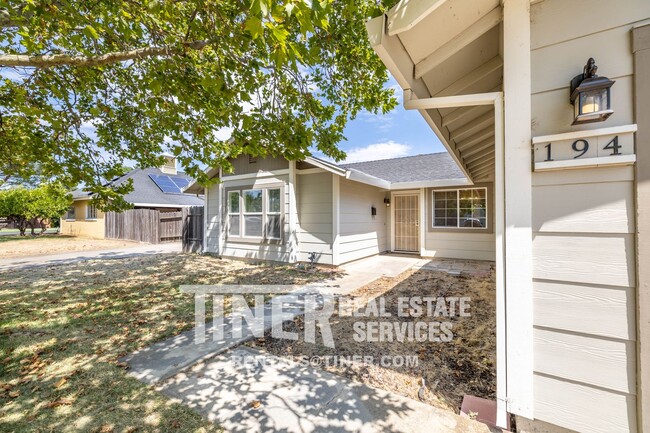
(417, 168)
(145, 191)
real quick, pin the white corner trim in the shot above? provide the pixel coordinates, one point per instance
(336, 223)
(206, 219)
(517, 187)
(293, 214)
(586, 134)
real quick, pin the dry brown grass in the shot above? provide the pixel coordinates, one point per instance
(63, 328)
(24, 246)
(465, 365)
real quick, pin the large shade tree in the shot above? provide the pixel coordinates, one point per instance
(86, 85)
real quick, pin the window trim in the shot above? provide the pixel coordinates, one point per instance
(458, 227)
(243, 213)
(264, 239)
(267, 213)
(229, 212)
(88, 217)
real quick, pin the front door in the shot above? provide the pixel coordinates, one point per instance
(407, 222)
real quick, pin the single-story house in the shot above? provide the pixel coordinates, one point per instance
(545, 104)
(153, 188)
(274, 209)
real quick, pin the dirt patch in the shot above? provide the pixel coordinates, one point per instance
(464, 365)
(24, 246)
(63, 329)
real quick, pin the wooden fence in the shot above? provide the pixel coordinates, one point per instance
(144, 225)
(193, 229)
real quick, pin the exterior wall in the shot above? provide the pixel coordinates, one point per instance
(584, 273)
(81, 226)
(248, 250)
(242, 164)
(361, 234)
(315, 212)
(468, 244)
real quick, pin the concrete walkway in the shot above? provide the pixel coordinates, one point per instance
(77, 256)
(292, 397)
(251, 391)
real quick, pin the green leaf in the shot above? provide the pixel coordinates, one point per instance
(254, 26)
(91, 32)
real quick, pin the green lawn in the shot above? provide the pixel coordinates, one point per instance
(62, 330)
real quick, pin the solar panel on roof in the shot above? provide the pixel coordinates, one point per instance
(165, 184)
(181, 182)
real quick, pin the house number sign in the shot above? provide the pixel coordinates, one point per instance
(595, 148)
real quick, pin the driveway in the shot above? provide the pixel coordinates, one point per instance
(77, 256)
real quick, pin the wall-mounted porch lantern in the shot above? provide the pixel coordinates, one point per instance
(387, 202)
(590, 95)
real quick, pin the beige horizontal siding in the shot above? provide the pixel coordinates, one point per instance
(242, 165)
(590, 309)
(583, 408)
(581, 208)
(460, 245)
(602, 260)
(360, 233)
(314, 200)
(606, 363)
(552, 112)
(556, 21)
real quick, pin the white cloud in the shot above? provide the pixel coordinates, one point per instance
(372, 152)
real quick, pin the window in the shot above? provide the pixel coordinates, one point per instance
(255, 214)
(91, 212)
(234, 221)
(464, 208)
(273, 215)
(69, 215)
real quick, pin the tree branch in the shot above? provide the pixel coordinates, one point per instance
(46, 61)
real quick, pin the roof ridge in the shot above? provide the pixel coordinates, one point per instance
(392, 159)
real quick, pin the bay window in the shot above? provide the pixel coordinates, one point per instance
(255, 214)
(461, 208)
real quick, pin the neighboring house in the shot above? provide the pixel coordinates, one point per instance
(508, 88)
(153, 188)
(273, 209)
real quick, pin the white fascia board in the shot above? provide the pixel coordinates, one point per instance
(361, 177)
(325, 165)
(408, 13)
(163, 205)
(430, 184)
(194, 187)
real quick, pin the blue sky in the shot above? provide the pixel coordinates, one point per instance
(398, 133)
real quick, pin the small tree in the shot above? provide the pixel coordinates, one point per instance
(34, 208)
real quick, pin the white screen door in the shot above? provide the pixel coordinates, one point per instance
(407, 222)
